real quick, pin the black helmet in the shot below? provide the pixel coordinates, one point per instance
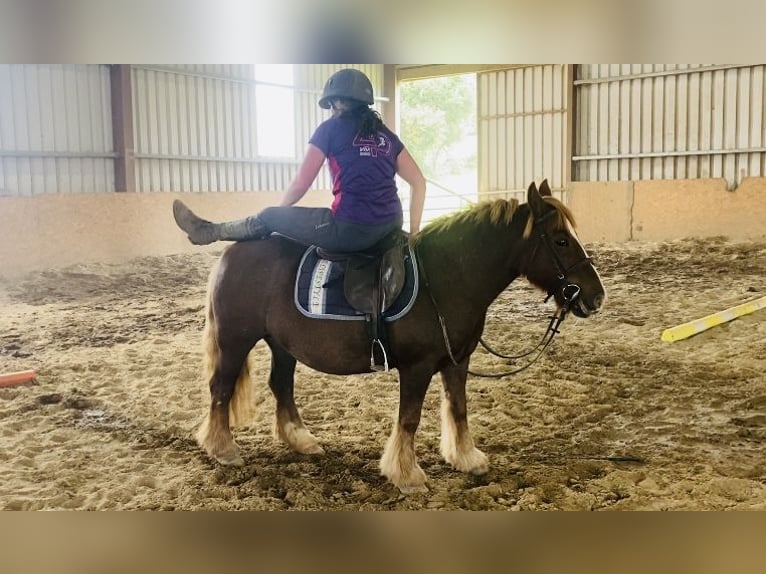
(347, 83)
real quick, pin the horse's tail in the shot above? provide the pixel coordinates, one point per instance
(242, 405)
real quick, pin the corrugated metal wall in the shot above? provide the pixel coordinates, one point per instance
(55, 129)
(523, 116)
(669, 121)
(195, 127)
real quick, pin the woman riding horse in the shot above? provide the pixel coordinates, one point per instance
(363, 155)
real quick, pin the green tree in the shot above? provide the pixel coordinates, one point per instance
(435, 115)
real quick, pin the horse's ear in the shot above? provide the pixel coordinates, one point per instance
(535, 200)
(545, 189)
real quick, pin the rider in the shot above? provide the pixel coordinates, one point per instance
(363, 156)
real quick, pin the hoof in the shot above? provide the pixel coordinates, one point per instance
(313, 449)
(475, 462)
(414, 489)
(297, 438)
(413, 483)
(480, 471)
(232, 459)
(479, 463)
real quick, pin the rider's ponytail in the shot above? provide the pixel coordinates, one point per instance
(367, 121)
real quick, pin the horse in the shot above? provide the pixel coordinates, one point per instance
(468, 258)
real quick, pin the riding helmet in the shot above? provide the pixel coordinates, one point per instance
(347, 83)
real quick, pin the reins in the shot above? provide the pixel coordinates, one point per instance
(569, 293)
(552, 330)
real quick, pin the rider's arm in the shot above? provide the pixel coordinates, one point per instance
(409, 171)
(306, 175)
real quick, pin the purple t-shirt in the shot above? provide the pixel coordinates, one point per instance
(362, 170)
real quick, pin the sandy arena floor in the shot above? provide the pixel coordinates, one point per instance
(610, 418)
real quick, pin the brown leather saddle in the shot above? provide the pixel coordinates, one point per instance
(372, 281)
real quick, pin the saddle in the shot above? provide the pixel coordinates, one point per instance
(372, 281)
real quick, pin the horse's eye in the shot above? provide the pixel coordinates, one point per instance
(563, 242)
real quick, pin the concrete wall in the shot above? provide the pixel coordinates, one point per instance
(660, 210)
(58, 230)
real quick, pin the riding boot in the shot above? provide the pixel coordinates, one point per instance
(202, 231)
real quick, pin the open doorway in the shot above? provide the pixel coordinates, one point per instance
(438, 126)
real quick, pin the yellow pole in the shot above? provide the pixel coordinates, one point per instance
(697, 326)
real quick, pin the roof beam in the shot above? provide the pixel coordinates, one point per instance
(421, 71)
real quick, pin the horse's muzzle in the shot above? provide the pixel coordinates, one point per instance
(570, 297)
(582, 308)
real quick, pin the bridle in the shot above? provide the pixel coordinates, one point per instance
(569, 294)
(569, 291)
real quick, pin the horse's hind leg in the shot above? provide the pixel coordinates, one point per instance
(399, 463)
(457, 446)
(215, 433)
(288, 425)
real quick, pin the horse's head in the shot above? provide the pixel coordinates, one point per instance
(557, 263)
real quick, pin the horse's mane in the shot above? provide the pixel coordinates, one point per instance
(564, 216)
(495, 212)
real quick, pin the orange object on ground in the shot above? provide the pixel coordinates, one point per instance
(19, 378)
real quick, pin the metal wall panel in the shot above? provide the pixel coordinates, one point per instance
(195, 127)
(523, 116)
(669, 121)
(55, 129)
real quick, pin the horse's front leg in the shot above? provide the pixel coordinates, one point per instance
(457, 446)
(399, 463)
(288, 424)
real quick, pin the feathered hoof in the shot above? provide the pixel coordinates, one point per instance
(297, 437)
(230, 459)
(414, 489)
(313, 449)
(476, 463)
(473, 462)
(412, 481)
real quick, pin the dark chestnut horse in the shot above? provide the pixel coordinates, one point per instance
(468, 259)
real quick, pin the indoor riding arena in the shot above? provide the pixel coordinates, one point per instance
(103, 298)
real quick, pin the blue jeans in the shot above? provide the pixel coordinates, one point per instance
(317, 226)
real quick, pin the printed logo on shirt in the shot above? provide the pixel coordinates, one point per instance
(372, 146)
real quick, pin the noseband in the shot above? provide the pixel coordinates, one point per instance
(569, 291)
